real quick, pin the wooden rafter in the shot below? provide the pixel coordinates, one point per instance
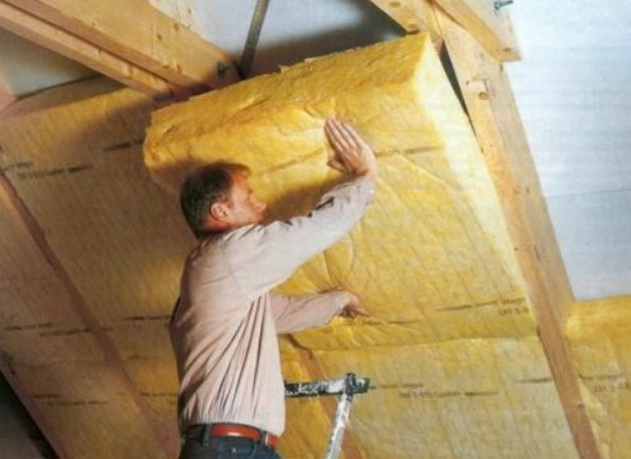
(413, 15)
(489, 24)
(49, 36)
(491, 27)
(6, 99)
(493, 112)
(156, 43)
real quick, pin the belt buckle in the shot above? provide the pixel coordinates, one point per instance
(265, 437)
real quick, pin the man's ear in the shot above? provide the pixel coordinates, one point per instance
(219, 211)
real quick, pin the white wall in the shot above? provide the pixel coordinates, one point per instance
(572, 87)
(26, 67)
(293, 30)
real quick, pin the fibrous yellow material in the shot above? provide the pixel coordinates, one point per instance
(598, 333)
(433, 186)
(451, 347)
(86, 292)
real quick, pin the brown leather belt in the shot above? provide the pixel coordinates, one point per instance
(234, 430)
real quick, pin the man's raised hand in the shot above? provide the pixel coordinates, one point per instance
(352, 153)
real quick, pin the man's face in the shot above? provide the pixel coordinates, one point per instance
(245, 208)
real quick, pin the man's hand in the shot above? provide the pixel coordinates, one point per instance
(352, 153)
(354, 307)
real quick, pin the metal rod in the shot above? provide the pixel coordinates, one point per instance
(345, 388)
(256, 25)
(339, 425)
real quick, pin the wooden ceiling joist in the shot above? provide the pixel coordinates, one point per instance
(486, 22)
(158, 44)
(489, 24)
(495, 119)
(6, 95)
(6, 98)
(49, 36)
(413, 15)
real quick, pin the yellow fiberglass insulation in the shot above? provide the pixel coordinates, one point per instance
(451, 348)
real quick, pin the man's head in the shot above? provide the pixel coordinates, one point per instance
(217, 198)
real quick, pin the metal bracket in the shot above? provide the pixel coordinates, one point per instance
(350, 385)
(222, 69)
(499, 4)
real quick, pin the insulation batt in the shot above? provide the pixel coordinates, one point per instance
(451, 348)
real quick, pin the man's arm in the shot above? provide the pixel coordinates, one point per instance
(267, 255)
(293, 314)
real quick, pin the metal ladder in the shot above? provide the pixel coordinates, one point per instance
(346, 388)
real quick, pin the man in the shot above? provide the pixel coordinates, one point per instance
(225, 325)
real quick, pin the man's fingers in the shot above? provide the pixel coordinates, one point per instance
(336, 164)
(355, 308)
(338, 136)
(355, 311)
(350, 135)
(341, 160)
(360, 311)
(335, 142)
(351, 151)
(344, 133)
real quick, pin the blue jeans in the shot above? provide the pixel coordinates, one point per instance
(226, 448)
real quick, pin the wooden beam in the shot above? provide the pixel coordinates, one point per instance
(493, 113)
(491, 27)
(6, 95)
(138, 33)
(6, 367)
(6, 98)
(413, 15)
(49, 36)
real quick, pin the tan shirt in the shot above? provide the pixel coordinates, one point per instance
(224, 328)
